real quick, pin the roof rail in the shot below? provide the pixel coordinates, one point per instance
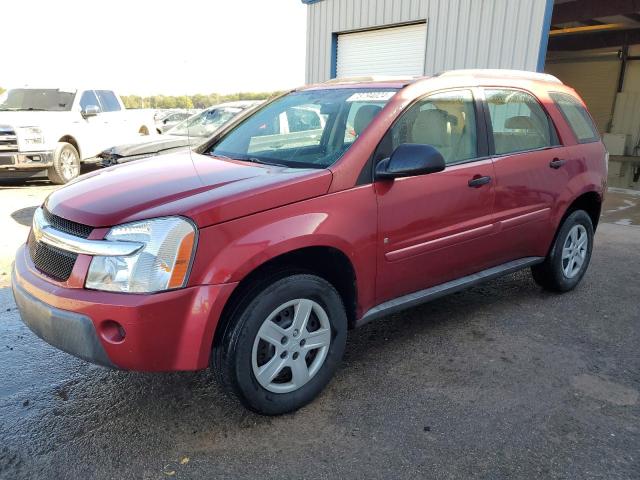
(500, 73)
(370, 78)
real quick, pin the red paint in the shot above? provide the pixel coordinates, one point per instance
(400, 236)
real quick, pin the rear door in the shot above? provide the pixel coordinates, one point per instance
(530, 169)
(434, 228)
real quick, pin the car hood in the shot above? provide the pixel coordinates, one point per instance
(31, 118)
(150, 146)
(208, 190)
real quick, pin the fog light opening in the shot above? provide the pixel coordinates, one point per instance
(112, 331)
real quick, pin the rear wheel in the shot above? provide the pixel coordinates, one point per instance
(570, 255)
(282, 344)
(66, 164)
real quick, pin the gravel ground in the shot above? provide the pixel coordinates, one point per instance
(500, 381)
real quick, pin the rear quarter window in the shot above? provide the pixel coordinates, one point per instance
(576, 116)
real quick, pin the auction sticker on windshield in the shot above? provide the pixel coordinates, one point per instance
(370, 96)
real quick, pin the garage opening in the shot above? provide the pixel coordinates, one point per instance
(393, 51)
(594, 46)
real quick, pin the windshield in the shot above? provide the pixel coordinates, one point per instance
(205, 123)
(310, 128)
(53, 100)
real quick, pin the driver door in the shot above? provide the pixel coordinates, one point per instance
(436, 227)
(94, 128)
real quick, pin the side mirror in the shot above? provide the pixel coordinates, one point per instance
(90, 111)
(410, 159)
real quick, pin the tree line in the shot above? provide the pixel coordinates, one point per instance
(188, 101)
(191, 101)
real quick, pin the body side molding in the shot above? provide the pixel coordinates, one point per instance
(437, 291)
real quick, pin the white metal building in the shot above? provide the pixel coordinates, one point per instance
(592, 45)
(418, 37)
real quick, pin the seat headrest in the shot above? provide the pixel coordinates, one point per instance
(363, 117)
(519, 123)
(431, 128)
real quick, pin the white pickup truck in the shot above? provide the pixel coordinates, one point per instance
(57, 129)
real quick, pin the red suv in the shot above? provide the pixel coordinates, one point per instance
(328, 207)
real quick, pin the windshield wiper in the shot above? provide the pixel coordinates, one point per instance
(246, 158)
(264, 162)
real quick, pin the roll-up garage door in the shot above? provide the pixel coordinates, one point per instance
(595, 80)
(385, 51)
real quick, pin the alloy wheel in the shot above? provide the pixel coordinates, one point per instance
(574, 251)
(291, 346)
(68, 164)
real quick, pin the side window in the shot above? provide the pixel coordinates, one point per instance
(297, 127)
(446, 121)
(576, 116)
(360, 116)
(108, 100)
(89, 98)
(519, 122)
(301, 119)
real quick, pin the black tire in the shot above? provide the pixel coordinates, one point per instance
(550, 274)
(232, 355)
(66, 164)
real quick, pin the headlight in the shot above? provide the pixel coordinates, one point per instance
(162, 264)
(30, 135)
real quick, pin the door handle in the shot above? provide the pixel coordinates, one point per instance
(477, 182)
(556, 163)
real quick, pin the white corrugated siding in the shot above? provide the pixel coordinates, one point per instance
(386, 51)
(460, 33)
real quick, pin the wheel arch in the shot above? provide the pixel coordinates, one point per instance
(71, 140)
(327, 262)
(590, 202)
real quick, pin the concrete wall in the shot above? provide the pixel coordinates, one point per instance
(460, 33)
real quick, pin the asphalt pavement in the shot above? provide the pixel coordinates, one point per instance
(501, 381)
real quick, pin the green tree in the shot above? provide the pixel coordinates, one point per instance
(2, 90)
(198, 100)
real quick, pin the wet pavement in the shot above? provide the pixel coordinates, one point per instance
(500, 381)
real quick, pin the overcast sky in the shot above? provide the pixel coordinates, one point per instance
(154, 46)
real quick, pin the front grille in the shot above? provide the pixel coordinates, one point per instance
(51, 261)
(8, 139)
(67, 226)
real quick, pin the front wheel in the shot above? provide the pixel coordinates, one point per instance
(570, 255)
(66, 164)
(282, 344)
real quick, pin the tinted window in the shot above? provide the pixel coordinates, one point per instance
(37, 99)
(87, 99)
(519, 122)
(446, 121)
(577, 117)
(108, 100)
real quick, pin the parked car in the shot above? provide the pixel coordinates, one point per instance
(191, 132)
(54, 129)
(257, 254)
(171, 120)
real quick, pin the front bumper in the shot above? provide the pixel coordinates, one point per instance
(165, 331)
(26, 161)
(70, 332)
